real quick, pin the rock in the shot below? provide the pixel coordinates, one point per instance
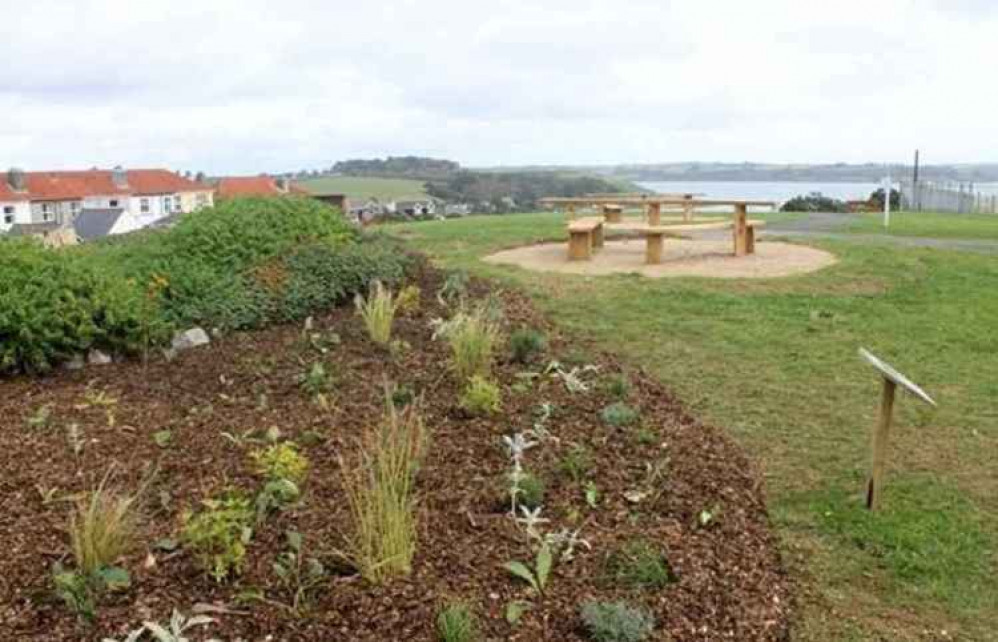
(76, 363)
(98, 358)
(190, 339)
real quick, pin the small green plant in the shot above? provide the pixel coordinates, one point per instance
(481, 397)
(75, 591)
(576, 463)
(525, 344)
(616, 622)
(281, 461)
(454, 288)
(645, 436)
(219, 533)
(102, 528)
(379, 486)
(536, 577)
(299, 574)
(408, 300)
(275, 494)
(619, 414)
(591, 493)
(40, 418)
(514, 611)
(456, 623)
(639, 565)
(378, 312)
(402, 396)
(618, 386)
(531, 491)
(174, 631)
(317, 381)
(473, 339)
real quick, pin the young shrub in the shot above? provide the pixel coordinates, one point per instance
(378, 313)
(576, 463)
(618, 386)
(378, 483)
(619, 414)
(102, 529)
(456, 623)
(531, 491)
(317, 381)
(481, 397)
(473, 339)
(525, 344)
(408, 300)
(639, 565)
(281, 461)
(219, 533)
(616, 622)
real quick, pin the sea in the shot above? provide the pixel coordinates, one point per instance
(778, 191)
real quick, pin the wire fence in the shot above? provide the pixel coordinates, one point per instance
(957, 198)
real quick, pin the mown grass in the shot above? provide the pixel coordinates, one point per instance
(929, 225)
(364, 188)
(774, 361)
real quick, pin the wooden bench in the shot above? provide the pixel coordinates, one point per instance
(613, 213)
(655, 236)
(585, 235)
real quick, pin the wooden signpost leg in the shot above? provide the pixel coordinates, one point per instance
(741, 230)
(880, 435)
(654, 214)
(688, 209)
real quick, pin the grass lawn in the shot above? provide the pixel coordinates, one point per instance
(363, 188)
(930, 225)
(775, 362)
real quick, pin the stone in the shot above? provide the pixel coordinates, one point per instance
(190, 339)
(98, 358)
(76, 363)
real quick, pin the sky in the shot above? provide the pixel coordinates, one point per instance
(243, 86)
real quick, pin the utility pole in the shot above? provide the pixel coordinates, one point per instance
(914, 187)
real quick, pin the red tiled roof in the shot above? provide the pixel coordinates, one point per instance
(70, 185)
(253, 186)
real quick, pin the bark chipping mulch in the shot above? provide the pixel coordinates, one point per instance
(730, 582)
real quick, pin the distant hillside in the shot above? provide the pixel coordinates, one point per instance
(417, 167)
(824, 173)
(359, 188)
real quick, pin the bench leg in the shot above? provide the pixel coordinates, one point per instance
(598, 238)
(579, 247)
(740, 230)
(613, 216)
(750, 240)
(687, 211)
(653, 249)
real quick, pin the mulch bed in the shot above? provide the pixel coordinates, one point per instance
(730, 583)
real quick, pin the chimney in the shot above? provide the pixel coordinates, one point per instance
(119, 177)
(15, 178)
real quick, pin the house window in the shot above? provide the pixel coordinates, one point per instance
(8, 214)
(46, 211)
(167, 204)
(74, 208)
(144, 205)
(113, 202)
(177, 203)
(202, 199)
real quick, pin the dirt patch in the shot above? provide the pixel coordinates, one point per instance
(730, 583)
(679, 258)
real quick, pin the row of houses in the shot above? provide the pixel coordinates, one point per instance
(64, 207)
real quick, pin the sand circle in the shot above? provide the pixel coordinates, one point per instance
(680, 257)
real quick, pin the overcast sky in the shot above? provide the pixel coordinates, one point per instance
(243, 86)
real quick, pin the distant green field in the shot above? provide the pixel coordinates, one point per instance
(363, 188)
(930, 225)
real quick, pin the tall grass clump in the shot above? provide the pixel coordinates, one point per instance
(102, 528)
(378, 312)
(473, 339)
(379, 486)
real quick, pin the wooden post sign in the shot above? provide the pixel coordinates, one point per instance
(881, 430)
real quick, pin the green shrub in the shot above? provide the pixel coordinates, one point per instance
(639, 565)
(531, 491)
(525, 344)
(409, 300)
(481, 397)
(456, 623)
(54, 305)
(281, 461)
(619, 414)
(219, 533)
(616, 622)
(316, 381)
(814, 202)
(576, 463)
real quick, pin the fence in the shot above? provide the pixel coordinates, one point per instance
(960, 198)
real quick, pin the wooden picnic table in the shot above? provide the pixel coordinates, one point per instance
(743, 230)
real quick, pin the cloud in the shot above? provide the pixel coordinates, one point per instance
(248, 86)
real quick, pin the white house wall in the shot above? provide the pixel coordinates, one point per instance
(12, 212)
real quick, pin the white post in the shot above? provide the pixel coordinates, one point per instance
(887, 201)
